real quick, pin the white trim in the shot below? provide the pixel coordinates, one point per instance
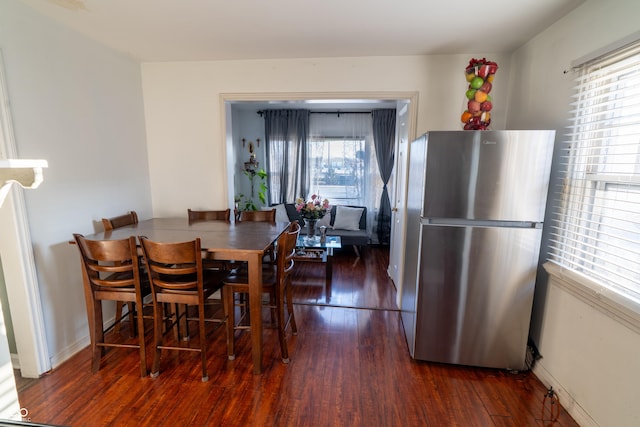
(412, 97)
(598, 53)
(17, 260)
(619, 307)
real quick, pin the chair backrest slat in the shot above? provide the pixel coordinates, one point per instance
(258, 216)
(286, 248)
(173, 266)
(120, 221)
(223, 215)
(109, 263)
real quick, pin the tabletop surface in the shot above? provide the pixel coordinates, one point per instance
(214, 235)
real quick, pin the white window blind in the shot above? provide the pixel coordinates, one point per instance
(596, 229)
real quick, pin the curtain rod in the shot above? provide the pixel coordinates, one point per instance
(261, 112)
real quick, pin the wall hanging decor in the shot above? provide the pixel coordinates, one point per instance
(479, 74)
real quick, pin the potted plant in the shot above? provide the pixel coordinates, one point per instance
(246, 203)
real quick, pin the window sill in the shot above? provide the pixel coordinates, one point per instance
(615, 305)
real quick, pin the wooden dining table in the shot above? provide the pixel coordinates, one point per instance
(242, 241)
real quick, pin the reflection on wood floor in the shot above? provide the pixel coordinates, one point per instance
(349, 367)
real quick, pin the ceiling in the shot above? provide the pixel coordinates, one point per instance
(199, 30)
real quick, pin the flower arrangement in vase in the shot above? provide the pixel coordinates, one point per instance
(312, 210)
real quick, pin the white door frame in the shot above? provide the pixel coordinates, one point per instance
(398, 197)
(18, 263)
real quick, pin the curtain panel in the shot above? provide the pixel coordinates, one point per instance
(384, 131)
(287, 160)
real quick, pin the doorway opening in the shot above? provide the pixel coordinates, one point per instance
(237, 106)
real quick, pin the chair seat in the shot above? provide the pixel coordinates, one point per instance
(241, 277)
(212, 282)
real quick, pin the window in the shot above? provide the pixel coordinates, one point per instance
(337, 169)
(335, 159)
(342, 161)
(596, 230)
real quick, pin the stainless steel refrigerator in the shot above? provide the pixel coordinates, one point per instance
(475, 210)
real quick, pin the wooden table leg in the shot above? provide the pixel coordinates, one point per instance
(255, 307)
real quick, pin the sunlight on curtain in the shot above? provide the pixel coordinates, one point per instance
(342, 162)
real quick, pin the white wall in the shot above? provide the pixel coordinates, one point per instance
(585, 354)
(184, 114)
(79, 106)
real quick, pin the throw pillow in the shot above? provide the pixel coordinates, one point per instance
(347, 218)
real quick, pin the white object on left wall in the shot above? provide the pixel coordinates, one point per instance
(26, 172)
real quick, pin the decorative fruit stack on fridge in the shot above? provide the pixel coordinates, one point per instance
(479, 74)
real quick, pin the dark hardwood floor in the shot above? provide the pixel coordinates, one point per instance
(349, 367)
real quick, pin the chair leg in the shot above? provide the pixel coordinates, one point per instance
(158, 314)
(227, 295)
(132, 318)
(227, 318)
(118, 316)
(292, 317)
(272, 302)
(97, 336)
(281, 325)
(143, 353)
(182, 311)
(356, 250)
(203, 342)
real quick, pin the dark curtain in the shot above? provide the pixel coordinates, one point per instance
(286, 145)
(384, 131)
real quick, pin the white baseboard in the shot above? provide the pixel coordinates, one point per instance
(74, 348)
(66, 353)
(566, 400)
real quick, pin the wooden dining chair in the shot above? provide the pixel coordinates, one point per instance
(112, 223)
(263, 216)
(177, 277)
(276, 281)
(222, 215)
(112, 272)
(120, 221)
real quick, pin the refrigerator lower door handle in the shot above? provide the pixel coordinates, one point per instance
(460, 222)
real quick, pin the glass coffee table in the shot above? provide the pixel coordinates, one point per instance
(313, 250)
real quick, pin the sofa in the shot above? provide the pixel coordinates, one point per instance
(351, 229)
